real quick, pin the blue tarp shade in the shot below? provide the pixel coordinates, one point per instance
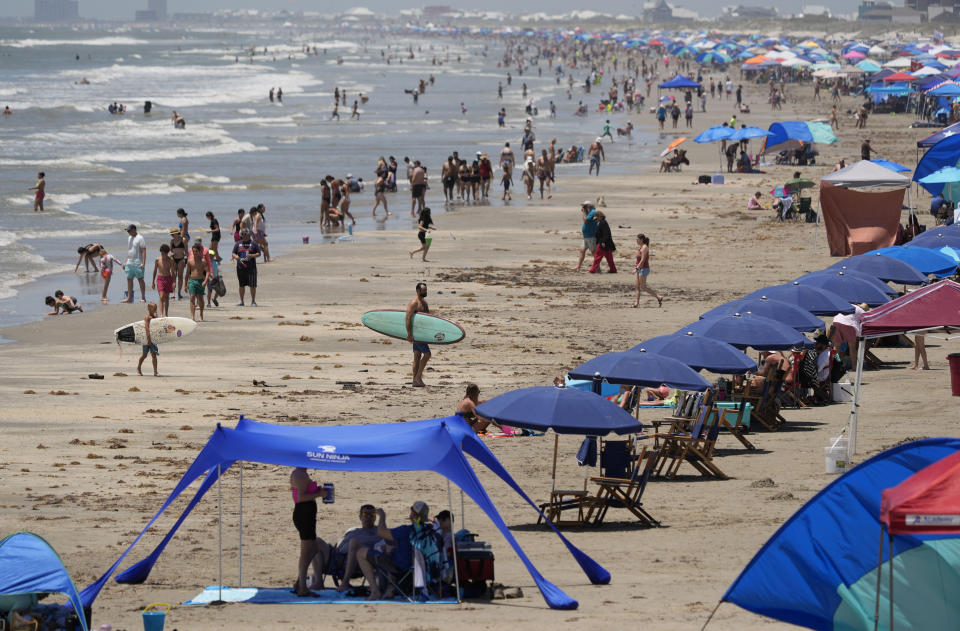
(28, 564)
(893, 166)
(679, 82)
(438, 445)
(819, 569)
(933, 139)
(950, 89)
(945, 153)
(893, 89)
(797, 132)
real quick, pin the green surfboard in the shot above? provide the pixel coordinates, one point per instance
(428, 329)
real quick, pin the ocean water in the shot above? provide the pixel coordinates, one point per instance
(105, 171)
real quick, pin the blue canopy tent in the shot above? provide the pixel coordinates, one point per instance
(893, 166)
(29, 565)
(819, 570)
(438, 445)
(790, 134)
(932, 139)
(679, 82)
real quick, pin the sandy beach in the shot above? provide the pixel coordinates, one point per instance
(85, 463)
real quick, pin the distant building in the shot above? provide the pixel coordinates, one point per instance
(56, 10)
(886, 12)
(658, 11)
(750, 13)
(436, 10)
(159, 7)
(145, 15)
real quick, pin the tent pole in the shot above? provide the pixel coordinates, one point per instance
(453, 546)
(553, 476)
(240, 533)
(816, 228)
(890, 563)
(855, 403)
(876, 605)
(463, 512)
(219, 534)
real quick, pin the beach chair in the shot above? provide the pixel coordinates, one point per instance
(684, 415)
(624, 492)
(766, 411)
(740, 424)
(694, 446)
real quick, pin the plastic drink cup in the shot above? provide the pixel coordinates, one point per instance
(330, 493)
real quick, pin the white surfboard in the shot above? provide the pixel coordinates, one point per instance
(161, 330)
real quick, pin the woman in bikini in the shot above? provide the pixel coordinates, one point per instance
(178, 252)
(379, 188)
(642, 270)
(468, 410)
(312, 549)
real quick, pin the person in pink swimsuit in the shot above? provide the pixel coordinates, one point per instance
(164, 271)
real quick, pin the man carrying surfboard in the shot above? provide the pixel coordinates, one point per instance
(421, 351)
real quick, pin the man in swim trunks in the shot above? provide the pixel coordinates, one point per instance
(421, 352)
(595, 152)
(133, 267)
(164, 269)
(41, 191)
(198, 275)
(418, 187)
(449, 178)
(506, 157)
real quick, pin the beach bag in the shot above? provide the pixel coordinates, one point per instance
(704, 179)
(220, 287)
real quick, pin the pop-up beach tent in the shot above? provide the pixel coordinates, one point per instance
(792, 134)
(29, 565)
(931, 311)
(946, 153)
(438, 445)
(859, 221)
(819, 570)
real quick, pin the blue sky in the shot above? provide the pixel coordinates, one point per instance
(123, 9)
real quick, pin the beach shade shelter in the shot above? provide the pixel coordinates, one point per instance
(868, 65)
(854, 287)
(29, 565)
(893, 166)
(949, 179)
(563, 410)
(714, 134)
(946, 89)
(885, 268)
(932, 139)
(898, 77)
(745, 330)
(945, 153)
(792, 134)
(439, 445)
(937, 238)
(819, 570)
(634, 368)
(784, 312)
(679, 82)
(814, 299)
(925, 260)
(699, 353)
(748, 133)
(933, 310)
(859, 220)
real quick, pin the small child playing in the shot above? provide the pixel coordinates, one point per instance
(214, 278)
(164, 270)
(59, 301)
(107, 261)
(506, 181)
(149, 348)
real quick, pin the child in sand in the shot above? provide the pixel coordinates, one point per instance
(198, 275)
(107, 261)
(59, 301)
(149, 347)
(164, 269)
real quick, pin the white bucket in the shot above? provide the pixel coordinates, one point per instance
(836, 455)
(841, 392)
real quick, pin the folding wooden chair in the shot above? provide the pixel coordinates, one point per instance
(695, 446)
(737, 427)
(624, 492)
(765, 410)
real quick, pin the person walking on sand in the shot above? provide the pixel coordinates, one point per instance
(149, 348)
(595, 153)
(41, 191)
(133, 266)
(424, 225)
(379, 190)
(198, 275)
(605, 245)
(919, 352)
(589, 231)
(506, 180)
(245, 253)
(418, 187)
(642, 270)
(259, 231)
(421, 351)
(164, 269)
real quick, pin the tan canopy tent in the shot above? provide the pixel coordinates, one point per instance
(857, 220)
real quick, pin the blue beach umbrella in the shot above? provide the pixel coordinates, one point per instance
(564, 410)
(713, 134)
(925, 260)
(746, 329)
(944, 175)
(637, 368)
(699, 353)
(867, 278)
(783, 312)
(953, 253)
(883, 267)
(815, 300)
(746, 133)
(936, 238)
(853, 287)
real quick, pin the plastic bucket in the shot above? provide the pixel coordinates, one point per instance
(836, 456)
(306, 240)
(841, 392)
(154, 620)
